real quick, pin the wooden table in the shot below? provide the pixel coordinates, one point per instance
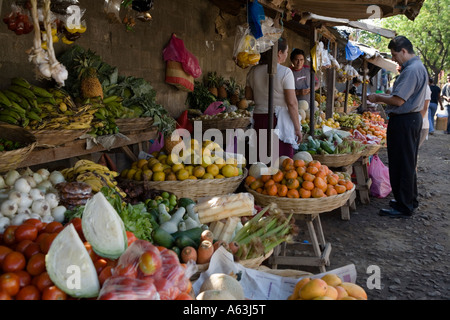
(79, 147)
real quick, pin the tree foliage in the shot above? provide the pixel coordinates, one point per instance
(429, 34)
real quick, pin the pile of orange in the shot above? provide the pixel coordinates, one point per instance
(300, 179)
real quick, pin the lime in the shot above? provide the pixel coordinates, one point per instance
(165, 195)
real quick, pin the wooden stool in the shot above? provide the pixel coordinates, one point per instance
(351, 204)
(321, 248)
(363, 182)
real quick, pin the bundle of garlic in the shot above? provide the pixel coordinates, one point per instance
(45, 60)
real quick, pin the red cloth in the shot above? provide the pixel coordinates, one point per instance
(184, 123)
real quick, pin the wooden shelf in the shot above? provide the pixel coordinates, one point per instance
(78, 148)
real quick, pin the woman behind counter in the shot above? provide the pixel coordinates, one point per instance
(286, 116)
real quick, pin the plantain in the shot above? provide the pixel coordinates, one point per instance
(8, 119)
(20, 82)
(4, 99)
(40, 92)
(32, 115)
(12, 96)
(24, 92)
(44, 100)
(14, 106)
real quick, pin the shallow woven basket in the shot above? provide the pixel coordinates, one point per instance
(10, 160)
(53, 138)
(134, 124)
(337, 160)
(370, 149)
(196, 189)
(303, 205)
(254, 263)
(223, 124)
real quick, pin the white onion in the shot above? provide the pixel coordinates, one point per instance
(26, 200)
(11, 177)
(52, 200)
(37, 194)
(44, 173)
(9, 208)
(58, 213)
(40, 207)
(15, 196)
(56, 177)
(4, 223)
(47, 218)
(18, 219)
(22, 185)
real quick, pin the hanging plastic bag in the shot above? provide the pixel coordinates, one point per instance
(379, 173)
(255, 16)
(176, 51)
(245, 52)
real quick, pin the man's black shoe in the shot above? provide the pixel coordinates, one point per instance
(393, 213)
(393, 203)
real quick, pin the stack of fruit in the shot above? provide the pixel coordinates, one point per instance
(300, 179)
(93, 174)
(328, 287)
(36, 108)
(198, 161)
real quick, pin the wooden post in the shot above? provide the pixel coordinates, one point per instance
(331, 83)
(312, 42)
(364, 89)
(347, 88)
(271, 70)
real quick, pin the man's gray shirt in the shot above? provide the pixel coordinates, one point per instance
(410, 86)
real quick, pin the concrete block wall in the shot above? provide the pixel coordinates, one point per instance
(139, 53)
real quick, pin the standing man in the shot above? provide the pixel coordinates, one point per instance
(301, 75)
(405, 123)
(446, 98)
(435, 100)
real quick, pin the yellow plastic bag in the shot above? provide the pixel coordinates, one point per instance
(245, 48)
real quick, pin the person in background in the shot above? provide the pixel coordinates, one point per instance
(284, 100)
(302, 75)
(445, 94)
(405, 123)
(425, 119)
(435, 100)
(356, 82)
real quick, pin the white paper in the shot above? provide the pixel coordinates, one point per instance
(260, 285)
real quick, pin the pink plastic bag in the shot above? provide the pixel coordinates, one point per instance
(379, 174)
(214, 108)
(157, 145)
(176, 51)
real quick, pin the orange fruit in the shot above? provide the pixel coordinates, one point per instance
(308, 185)
(299, 163)
(320, 183)
(282, 190)
(313, 170)
(266, 177)
(331, 191)
(269, 183)
(305, 193)
(293, 193)
(291, 174)
(288, 162)
(300, 170)
(340, 188)
(308, 176)
(332, 180)
(277, 177)
(317, 193)
(321, 174)
(272, 190)
(292, 183)
(314, 163)
(348, 184)
(249, 180)
(256, 184)
(259, 190)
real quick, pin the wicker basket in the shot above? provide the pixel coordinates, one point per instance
(337, 160)
(303, 205)
(371, 149)
(134, 124)
(53, 138)
(223, 124)
(196, 189)
(10, 160)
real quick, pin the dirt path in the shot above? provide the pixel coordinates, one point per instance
(412, 255)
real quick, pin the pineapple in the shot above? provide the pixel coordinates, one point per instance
(90, 85)
(211, 83)
(222, 90)
(233, 91)
(243, 103)
(170, 141)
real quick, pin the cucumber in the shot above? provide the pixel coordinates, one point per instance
(184, 202)
(66, 253)
(103, 228)
(163, 238)
(193, 233)
(184, 241)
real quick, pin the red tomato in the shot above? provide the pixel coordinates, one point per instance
(105, 274)
(13, 261)
(91, 252)
(131, 237)
(8, 236)
(26, 232)
(3, 252)
(47, 242)
(31, 250)
(35, 222)
(36, 264)
(4, 296)
(29, 292)
(53, 293)
(22, 245)
(41, 237)
(128, 270)
(184, 296)
(42, 281)
(25, 278)
(53, 226)
(150, 262)
(100, 264)
(77, 224)
(10, 283)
